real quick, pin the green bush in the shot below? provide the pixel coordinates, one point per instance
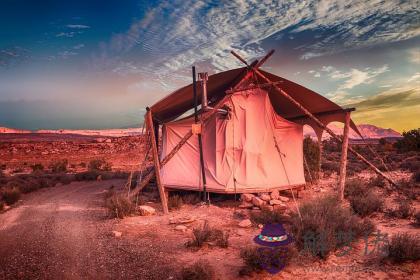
(410, 141)
(311, 154)
(99, 165)
(198, 271)
(404, 247)
(11, 195)
(59, 166)
(326, 219)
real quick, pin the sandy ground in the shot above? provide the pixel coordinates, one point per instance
(64, 233)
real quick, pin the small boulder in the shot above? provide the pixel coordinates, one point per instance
(264, 197)
(275, 202)
(146, 210)
(275, 194)
(247, 197)
(181, 228)
(117, 233)
(257, 201)
(283, 198)
(246, 205)
(280, 207)
(267, 207)
(245, 223)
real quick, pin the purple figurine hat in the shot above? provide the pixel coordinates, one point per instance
(273, 235)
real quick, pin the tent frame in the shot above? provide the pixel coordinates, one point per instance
(252, 71)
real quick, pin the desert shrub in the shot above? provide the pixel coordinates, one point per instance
(377, 181)
(404, 247)
(354, 187)
(59, 166)
(417, 218)
(311, 154)
(11, 195)
(37, 167)
(191, 198)
(198, 271)
(404, 209)
(331, 145)
(266, 216)
(326, 220)
(175, 202)
(118, 205)
(99, 165)
(2, 174)
(200, 236)
(411, 164)
(330, 166)
(416, 176)
(366, 204)
(1, 206)
(87, 175)
(410, 141)
(256, 258)
(205, 234)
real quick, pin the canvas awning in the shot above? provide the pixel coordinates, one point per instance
(182, 100)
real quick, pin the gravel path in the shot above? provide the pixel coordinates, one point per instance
(64, 233)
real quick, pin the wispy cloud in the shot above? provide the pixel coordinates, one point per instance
(78, 26)
(78, 46)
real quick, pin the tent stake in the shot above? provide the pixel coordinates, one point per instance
(162, 194)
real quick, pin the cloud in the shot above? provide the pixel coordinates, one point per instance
(79, 46)
(382, 109)
(66, 54)
(78, 26)
(414, 55)
(356, 77)
(316, 74)
(415, 77)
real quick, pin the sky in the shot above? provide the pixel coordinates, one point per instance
(98, 64)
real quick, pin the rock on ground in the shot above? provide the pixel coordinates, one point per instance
(245, 223)
(247, 197)
(257, 201)
(146, 210)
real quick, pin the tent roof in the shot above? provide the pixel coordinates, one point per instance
(182, 100)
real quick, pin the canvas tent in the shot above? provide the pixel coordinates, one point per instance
(251, 133)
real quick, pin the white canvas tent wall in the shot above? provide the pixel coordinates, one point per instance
(240, 151)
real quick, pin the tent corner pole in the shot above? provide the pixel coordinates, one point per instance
(343, 160)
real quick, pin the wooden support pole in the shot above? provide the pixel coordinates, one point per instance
(161, 188)
(343, 161)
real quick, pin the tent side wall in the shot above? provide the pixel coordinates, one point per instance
(240, 153)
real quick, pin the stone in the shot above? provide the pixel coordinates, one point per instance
(264, 197)
(280, 207)
(108, 140)
(267, 207)
(146, 210)
(6, 207)
(181, 228)
(117, 233)
(245, 223)
(247, 197)
(275, 194)
(276, 202)
(283, 198)
(257, 201)
(246, 205)
(255, 208)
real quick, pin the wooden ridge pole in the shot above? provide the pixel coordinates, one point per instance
(319, 123)
(343, 161)
(156, 162)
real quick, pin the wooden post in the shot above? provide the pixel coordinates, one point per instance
(162, 194)
(343, 161)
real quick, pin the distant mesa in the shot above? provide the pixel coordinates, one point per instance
(368, 131)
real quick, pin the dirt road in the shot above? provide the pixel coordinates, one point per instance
(64, 233)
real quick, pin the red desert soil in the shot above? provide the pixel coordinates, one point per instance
(64, 233)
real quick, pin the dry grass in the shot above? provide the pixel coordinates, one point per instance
(327, 221)
(175, 202)
(206, 234)
(59, 166)
(404, 247)
(118, 205)
(417, 218)
(404, 210)
(363, 200)
(99, 165)
(198, 271)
